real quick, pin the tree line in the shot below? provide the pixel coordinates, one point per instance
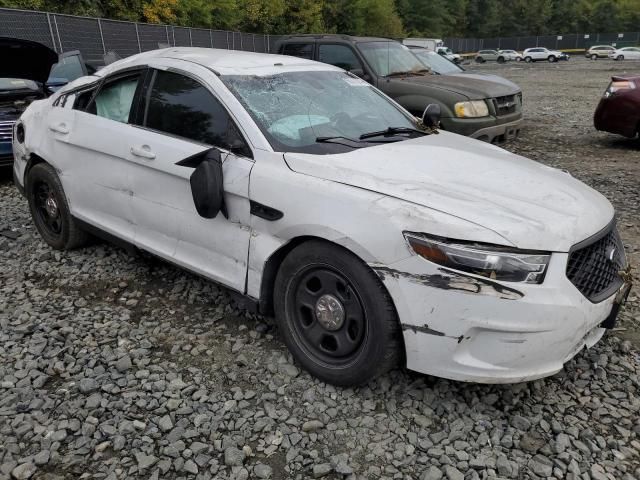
(390, 18)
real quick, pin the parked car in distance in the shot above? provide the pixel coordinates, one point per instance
(599, 51)
(484, 56)
(25, 69)
(619, 109)
(447, 53)
(476, 107)
(626, 53)
(372, 238)
(543, 54)
(512, 55)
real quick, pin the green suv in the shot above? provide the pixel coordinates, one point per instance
(477, 106)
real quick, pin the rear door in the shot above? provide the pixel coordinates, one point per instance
(183, 117)
(97, 164)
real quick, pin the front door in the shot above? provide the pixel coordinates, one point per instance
(182, 118)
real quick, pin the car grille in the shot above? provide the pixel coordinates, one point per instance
(505, 105)
(6, 130)
(594, 268)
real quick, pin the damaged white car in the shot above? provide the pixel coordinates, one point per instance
(375, 239)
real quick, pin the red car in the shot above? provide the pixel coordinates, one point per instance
(619, 109)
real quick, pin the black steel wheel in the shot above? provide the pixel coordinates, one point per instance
(329, 319)
(335, 315)
(50, 210)
(46, 207)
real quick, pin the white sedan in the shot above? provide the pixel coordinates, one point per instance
(626, 53)
(540, 53)
(373, 238)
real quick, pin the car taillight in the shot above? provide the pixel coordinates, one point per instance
(618, 85)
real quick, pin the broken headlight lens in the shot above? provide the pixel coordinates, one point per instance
(473, 109)
(491, 261)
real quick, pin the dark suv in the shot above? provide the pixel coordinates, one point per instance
(476, 106)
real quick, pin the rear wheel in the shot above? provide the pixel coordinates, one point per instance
(335, 315)
(50, 210)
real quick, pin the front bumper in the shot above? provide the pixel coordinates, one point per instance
(482, 331)
(488, 129)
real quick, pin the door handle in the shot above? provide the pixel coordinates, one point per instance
(59, 128)
(143, 151)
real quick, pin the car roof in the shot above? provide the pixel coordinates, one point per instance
(346, 38)
(224, 62)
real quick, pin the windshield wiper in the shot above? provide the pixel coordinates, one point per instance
(391, 131)
(346, 141)
(420, 72)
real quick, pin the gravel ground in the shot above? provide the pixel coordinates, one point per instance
(117, 366)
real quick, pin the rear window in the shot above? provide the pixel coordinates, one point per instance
(302, 50)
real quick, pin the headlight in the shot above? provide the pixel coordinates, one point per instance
(473, 109)
(491, 261)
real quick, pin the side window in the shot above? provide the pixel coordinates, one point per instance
(340, 56)
(115, 98)
(302, 50)
(83, 98)
(181, 106)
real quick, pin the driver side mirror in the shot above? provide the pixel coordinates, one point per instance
(431, 116)
(206, 183)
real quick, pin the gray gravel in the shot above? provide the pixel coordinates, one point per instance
(115, 366)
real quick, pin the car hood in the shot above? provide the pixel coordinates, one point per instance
(486, 78)
(25, 59)
(530, 205)
(473, 86)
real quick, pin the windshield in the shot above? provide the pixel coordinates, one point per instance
(389, 57)
(436, 62)
(296, 109)
(9, 84)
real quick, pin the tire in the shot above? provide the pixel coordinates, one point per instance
(50, 210)
(594, 57)
(363, 342)
(500, 59)
(479, 60)
(552, 59)
(528, 59)
(620, 58)
(518, 59)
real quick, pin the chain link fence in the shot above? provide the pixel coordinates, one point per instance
(94, 37)
(573, 41)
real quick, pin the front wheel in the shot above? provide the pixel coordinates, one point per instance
(500, 59)
(335, 315)
(50, 210)
(518, 59)
(620, 58)
(479, 60)
(528, 59)
(552, 59)
(594, 57)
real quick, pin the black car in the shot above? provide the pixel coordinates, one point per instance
(29, 71)
(476, 106)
